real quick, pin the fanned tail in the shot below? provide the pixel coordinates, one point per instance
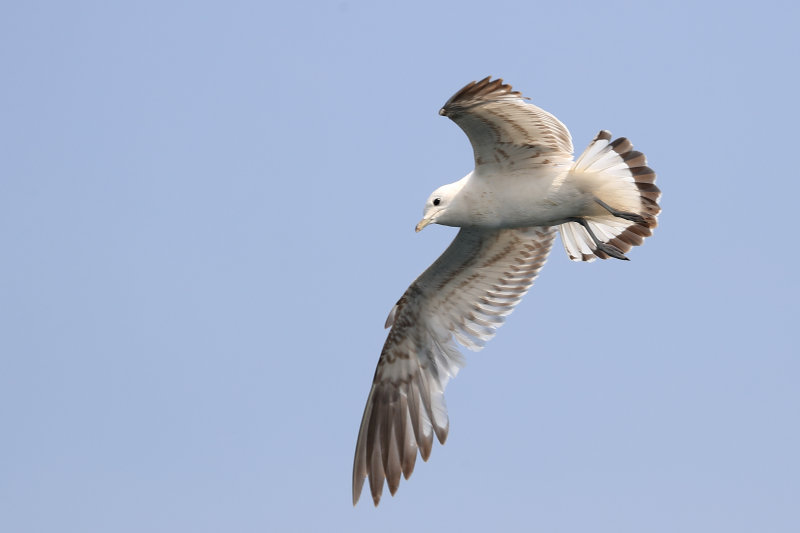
(620, 179)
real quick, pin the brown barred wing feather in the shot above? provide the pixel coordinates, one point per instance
(465, 295)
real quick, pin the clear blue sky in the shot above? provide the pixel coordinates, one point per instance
(207, 211)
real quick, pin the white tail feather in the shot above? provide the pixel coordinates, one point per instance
(620, 178)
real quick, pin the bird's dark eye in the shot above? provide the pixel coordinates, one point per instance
(436, 201)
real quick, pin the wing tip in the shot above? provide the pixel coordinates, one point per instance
(358, 486)
(475, 91)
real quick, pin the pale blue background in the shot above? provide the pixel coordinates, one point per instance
(207, 211)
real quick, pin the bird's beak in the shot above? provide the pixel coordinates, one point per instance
(422, 223)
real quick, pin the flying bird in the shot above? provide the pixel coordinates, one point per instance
(525, 188)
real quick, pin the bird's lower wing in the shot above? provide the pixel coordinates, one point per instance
(466, 294)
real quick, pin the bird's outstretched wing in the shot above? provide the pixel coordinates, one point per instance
(466, 294)
(506, 132)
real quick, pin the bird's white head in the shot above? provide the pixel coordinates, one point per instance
(442, 206)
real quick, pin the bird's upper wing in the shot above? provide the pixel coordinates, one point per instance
(506, 132)
(466, 293)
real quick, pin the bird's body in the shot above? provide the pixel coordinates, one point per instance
(524, 189)
(514, 200)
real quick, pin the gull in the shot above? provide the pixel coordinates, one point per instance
(525, 188)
